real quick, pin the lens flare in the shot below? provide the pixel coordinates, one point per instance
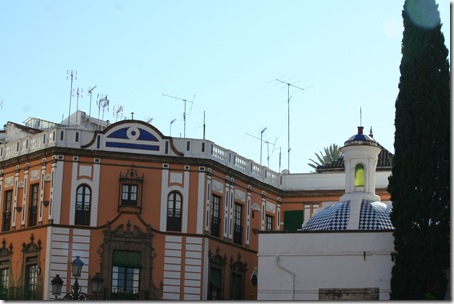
(421, 14)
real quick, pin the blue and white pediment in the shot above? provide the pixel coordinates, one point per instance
(133, 137)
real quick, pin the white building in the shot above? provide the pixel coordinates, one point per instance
(344, 251)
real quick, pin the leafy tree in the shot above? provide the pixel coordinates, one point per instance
(330, 154)
(420, 180)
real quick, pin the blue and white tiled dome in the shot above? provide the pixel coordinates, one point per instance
(373, 216)
(335, 217)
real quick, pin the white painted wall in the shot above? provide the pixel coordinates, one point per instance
(326, 181)
(322, 260)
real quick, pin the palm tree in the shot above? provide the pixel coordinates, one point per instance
(331, 154)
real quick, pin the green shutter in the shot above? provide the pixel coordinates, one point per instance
(130, 259)
(215, 278)
(293, 220)
(236, 286)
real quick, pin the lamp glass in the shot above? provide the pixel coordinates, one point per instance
(77, 267)
(97, 283)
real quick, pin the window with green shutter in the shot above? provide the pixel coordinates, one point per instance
(293, 220)
(215, 286)
(126, 259)
(126, 267)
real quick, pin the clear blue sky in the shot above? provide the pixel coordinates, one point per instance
(226, 53)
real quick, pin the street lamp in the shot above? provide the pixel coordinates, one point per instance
(96, 284)
(77, 267)
(75, 293)
(57, 283)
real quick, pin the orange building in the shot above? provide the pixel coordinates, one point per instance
(154, 217)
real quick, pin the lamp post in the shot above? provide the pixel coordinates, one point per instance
(77, 271)
(75, 293)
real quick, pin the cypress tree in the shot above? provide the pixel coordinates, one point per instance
(420, 180)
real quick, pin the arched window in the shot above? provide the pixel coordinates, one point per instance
(83, 202)
(359, 175)
(174, 211)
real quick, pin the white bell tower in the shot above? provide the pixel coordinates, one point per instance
(360, 161)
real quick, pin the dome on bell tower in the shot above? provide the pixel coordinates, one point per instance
(361, 139)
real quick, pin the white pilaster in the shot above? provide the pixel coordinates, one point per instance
(95, 185)
(200, 202)
(164, 191)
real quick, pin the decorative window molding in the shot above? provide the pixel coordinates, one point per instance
(128, 238)
(131, 188)
(31, 279)
(6, 274)
(237, 278)
(216, 275)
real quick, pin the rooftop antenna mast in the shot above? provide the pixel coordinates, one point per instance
(360, 117)
(119, 113)
(90, 91)
(261, 143)
(280, 154)
(288, 116)
(98, 103)
(184, 113)
(78, 92)
(70, 74)
(268, 151)
(204, 125)
(102, 102)
(173, 120)
(268, 147)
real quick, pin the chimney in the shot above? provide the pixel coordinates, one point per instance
(360, 130)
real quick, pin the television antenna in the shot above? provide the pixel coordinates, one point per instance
(267, 146)
(70, 74)
(204, 125)
(184, 113)
(103, 102)
(360, 117)
(79, 94)
(90, 91)
(288, 116)
(173, 120)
